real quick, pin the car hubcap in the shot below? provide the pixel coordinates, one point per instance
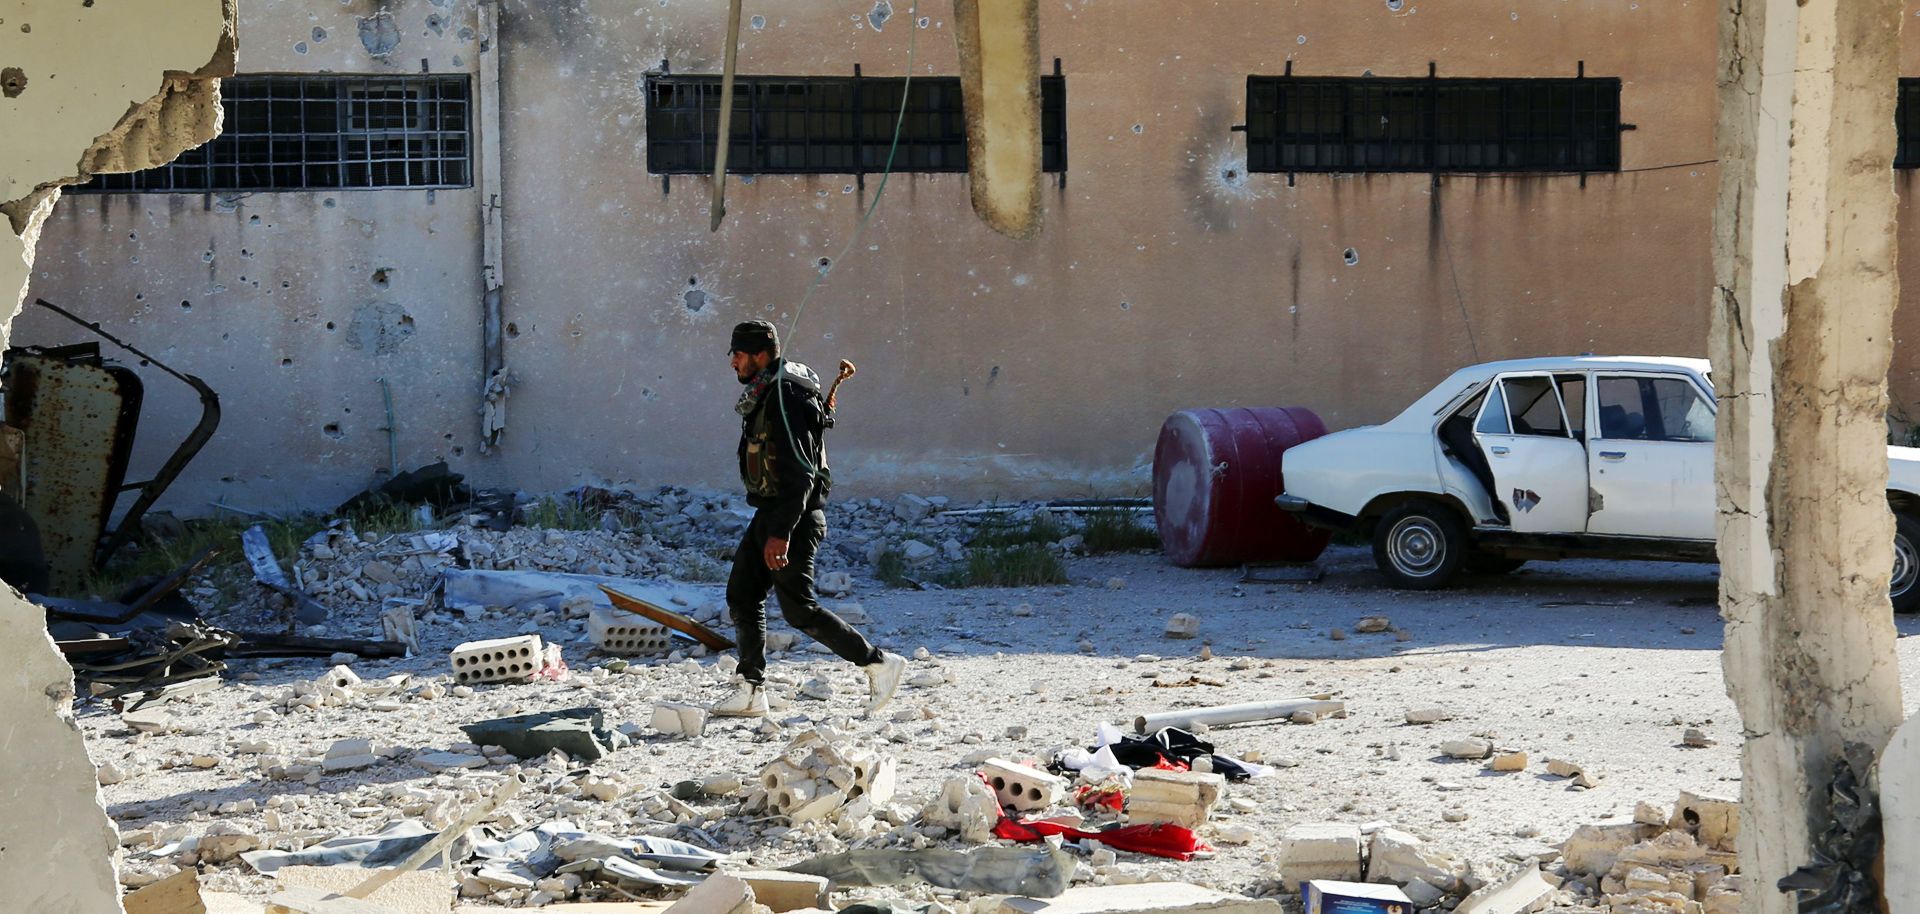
(1906, 566)
(1416, 547)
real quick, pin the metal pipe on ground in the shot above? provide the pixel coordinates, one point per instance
(1249, 712)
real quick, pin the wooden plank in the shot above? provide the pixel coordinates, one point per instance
(668, 618)
(176, 894)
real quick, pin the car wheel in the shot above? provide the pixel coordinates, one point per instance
(1904, 589)
(1420, 545)
(1486, 563)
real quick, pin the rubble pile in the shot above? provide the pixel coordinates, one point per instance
(1682, 862)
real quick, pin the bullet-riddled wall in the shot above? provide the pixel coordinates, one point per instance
(1166, 275)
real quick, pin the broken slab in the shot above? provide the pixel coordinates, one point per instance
(1184, 798)
(1400, 858)
(1319, 850)
(718, 894)
(1471, 749)
(319, 901)
(579, 732)
(679, 721)
(1022, 787)
(1715, 821)
(782, 892)
(1142, 898)
(1573, 771)
(176, 894)
(1592, 849)
(348, 755)
(412, 892)
(1524, 891)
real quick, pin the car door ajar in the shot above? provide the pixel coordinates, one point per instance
(1652, 456)
(1539, 470)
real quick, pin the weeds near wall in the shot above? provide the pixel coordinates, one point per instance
(156, 556)
(1021, 565)
(890, 566)
(560, 514)
(1118, 530)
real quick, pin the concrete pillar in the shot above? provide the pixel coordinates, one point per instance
(84, 88)
(999, 45)
(1805, 290)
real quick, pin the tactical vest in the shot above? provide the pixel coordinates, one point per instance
(760, 470)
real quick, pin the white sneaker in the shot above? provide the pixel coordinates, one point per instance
(883, 679)
(748, 700)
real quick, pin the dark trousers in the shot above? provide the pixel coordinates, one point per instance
(793, 587)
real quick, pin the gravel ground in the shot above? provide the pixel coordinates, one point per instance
(1604, 664)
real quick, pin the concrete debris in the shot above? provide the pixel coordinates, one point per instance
(1579, 775)
(1022, 788)
(824, 774)
(1428, 715)
(348, 755)
(1696, 739)
(1592, 849)
(782, 892)
(1184, 798)
(1522, 892)
(1373, 625)
(679, 721)
(1713, 821)
(966, 805)
(1320, 850)
(1467, 748)
(623, 633)
(581, 733)
(1400, 858)
(835, 583)
(148, 720)
(1036, 872)
(1183, 625)
(1143, 898)
(1508, 760)
(497, 660)
(718, 894)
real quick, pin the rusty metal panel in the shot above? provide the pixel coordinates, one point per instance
(78, 414)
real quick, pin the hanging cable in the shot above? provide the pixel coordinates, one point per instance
(859, 228)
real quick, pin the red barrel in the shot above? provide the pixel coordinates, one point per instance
(1215, 474)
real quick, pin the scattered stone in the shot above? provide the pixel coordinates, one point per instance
(1372, 625)
(148, 720)
(1467, 748)
(782, 891)
(1337, 635)
(1320, 850)
(1183, 625)
(1508, 760)
(1428, 715)
(449, 761)
(349, 755)
(819, 688)
(1141, 898)
(1696, 739)
(682, 721)
(1398, 857)
(1714, 821)
(1580, 776)
(1525, 890)
(918, 553)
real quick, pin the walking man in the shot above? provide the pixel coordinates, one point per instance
(783, 464)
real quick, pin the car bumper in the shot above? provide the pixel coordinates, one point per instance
(1314, 515)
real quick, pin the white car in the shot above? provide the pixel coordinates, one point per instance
(1544, 459)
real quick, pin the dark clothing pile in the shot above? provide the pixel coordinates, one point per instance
(1176, 746)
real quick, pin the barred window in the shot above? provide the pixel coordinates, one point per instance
(1314, 123)
(323, 133)
(826, 124)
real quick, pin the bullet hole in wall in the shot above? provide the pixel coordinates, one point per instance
(513, 330)
(332, 430)
(825, 264)
(758, 22)
(253, 220)
(1395, 5)
(285, 363)
(696, 300)
(139, 296)
(458, 450)
(1351, 256)
(1126, 306)
(381, 277)
(13, 81)
(329, 325)
(186, 305)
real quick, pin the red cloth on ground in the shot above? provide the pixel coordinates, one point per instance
(1160, 840)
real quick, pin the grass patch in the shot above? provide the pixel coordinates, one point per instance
(1117, 530)
(560, 514)
(890, 566)
(1022, 565)
(1003, 532)
(155, 556)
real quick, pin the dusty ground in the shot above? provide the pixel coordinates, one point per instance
(1601, 663)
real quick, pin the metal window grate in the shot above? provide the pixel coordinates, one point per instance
(1906, 119)
(1316, 123)
(826, 124)
(323, 133)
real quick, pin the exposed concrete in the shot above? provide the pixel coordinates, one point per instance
(999, 48)
(1804, 251)
(89, 89)
(1900, 805)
